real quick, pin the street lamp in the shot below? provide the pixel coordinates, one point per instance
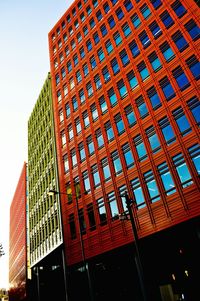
(138, 262)
(53, 192)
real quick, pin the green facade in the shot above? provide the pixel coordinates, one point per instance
(45, 232)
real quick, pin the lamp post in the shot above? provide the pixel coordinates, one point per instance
(139, 267)
(52, 193)
(81, 243)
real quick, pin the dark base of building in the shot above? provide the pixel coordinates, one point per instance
(170, 261)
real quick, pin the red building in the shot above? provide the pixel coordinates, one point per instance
(18, 239)
(125, 78)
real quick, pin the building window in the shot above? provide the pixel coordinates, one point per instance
(92, 23)
(97, 81)
(130, 115)
(70, 132)
(109, 46)
(75, 59)
(178, 8)
(181, 121)
(57, 78)
(154, 98)
(90, 145)
(86, 181)
(63, 72)
(194, 106)
(154, 61)
(94, 112)
(167, 51)
(74, 103)
(85, 69)
(82, 52)
(113, 205)
(128, 5)
(89, 89)
(151, 186)
(115, 66)
(89, 10)
(91, 217)
(95, 3)
(194, 152)
(166, 19)
(78, 76)
(134, 49)
(111, 22)
(182, 170)
(167, 130)
(65, 163)
(63, 138)
(89, 45)
(109, 131)
(102, 211)
(106, 74)
(103, 30)
(138, 193)
(194, 66)
(112, 97)
(99, 15)
(116, 162)
(153, 139)
(73, 158)
(193, 29)
(166, 178)
(95, 174)
(96, 38)
(122, 88)
(126, 29)
(142, 108)
(140, 148)
(78, 126)
(181, 78)
(167, 88)
(103, 105)
(155, 29)
(59, 96)
(124, 57)
(128, 155)
(119, 124)
(81, 152)
(101, 55)
(67, 110)
(82, 96)
(93, 62)
(86, 119)
(156, 3)
(72, 226)
(82, 221)
(99, 137)
(79, 37)
(117, 38)
(106, 169)
(145, 11)
(119, 13)
(144, 73)
(144, 39)
(180, 41)
(132, 80)
(136, 20)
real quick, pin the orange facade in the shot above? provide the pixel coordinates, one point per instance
(125, 78)
(18, 241)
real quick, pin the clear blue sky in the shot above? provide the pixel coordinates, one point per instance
(24, 64)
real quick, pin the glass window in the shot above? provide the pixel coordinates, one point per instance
(103, 30)
(72, 226)
(89, 45)
(181, 121)
(167, 130)
(92, 23)
(155, 30)
(124, 57)
(155, 61)
(103, 105)
(116, 162)
(136, 20)
(117, 38)
(100, 54)
(91, 216)
(138, 193)
(99, 137)
(97, 81)
(167, 88)
(78, 76)
(63, 138)
(70, 132)
(193, 29)
(134, 49)
(132, 80)
(182, 170)
(119, 13)
(57, 78)
(126, 29)
(82, 96)
(153, 139)
(82, 52)
(180, 41)
(89, 89)
(113, 205)
(119, 124)
(166, 178)
(96, 38)
(73, 158)
(81, 152)
(194, 152)
(109, 131)
(86, 119)
(95, 3)
(99, 15)
(167, 51)
(66, 163)
(67, 110)
(142, 108)
(106, 74)
(128, 155)
(111, 22)
(94, 112)
(95, 174)
(151, 186)
(194, 106)
(102, 211)
(90, 145)
(140, 148)
(85, 69)
(106, 169)
(109, 46)
(78, 126)
(93, 62)
(145, 11)
(194, 66)
(154, 98)
(166, 19)
(181, 78)
(130, 115)
(144, 39)
(178, 8)
(156, 3)
(86, 181)
(115, 66)
(122, 88)
(112, 96)
(128, 5)
(106, 7)
(85, 30)
(144, 73)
